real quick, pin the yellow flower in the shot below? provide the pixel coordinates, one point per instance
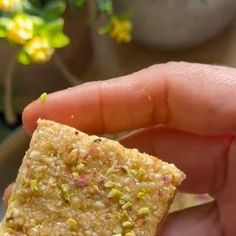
(121, 30)
(8, 5)
(39, 49)
(20, 30)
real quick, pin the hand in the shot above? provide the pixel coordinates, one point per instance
(187, 113)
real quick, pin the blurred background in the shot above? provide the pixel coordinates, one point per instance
(50, 45)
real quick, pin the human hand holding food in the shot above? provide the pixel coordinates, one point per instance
(187, 116)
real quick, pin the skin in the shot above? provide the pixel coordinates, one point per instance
(185, 113)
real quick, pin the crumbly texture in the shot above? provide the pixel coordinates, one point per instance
(74, 184)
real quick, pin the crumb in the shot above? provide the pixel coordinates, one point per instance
(43, 97)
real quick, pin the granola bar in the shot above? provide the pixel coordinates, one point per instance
(73, 184)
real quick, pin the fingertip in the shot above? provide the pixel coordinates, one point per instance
(29, 118)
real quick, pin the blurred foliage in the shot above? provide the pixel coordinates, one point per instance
(37, 26)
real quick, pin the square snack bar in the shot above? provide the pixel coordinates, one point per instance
(73, 184)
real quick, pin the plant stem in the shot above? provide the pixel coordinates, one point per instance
(72, 79)
(9, 113)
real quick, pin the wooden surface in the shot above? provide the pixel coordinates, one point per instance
(111, 60)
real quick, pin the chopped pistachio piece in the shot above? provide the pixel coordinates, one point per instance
(122, 201)
(43, 97)
(127, 205)
(72, 223)
(72, 157)
(132, 233)
(126, 198)
(134, 172)
(143, 211)
(80, 167)
(115, 193)
(65, 193)
(140, 173)
(112, 170)
(127, 224)
(141, 194)
(109, 184)
(34, 185)
(75, 175)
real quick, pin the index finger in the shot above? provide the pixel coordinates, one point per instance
(191, 97)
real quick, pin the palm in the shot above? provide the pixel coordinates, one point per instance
(202, 221)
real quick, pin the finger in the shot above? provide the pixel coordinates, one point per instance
(191, 97)
(202, 220)
(226, 198)
(202, 158)
(7, 194)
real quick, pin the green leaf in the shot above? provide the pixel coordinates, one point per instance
(59, 40)
(54, 9)
(54, 32)
(38, 23)
(24, 58)
(105, 6)
(5, 22)
(35, 3)
(53, 28)
(124, 16)
(80, 3)
(105, 29)
(2, 32)
(36, 20)
(31, 8)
